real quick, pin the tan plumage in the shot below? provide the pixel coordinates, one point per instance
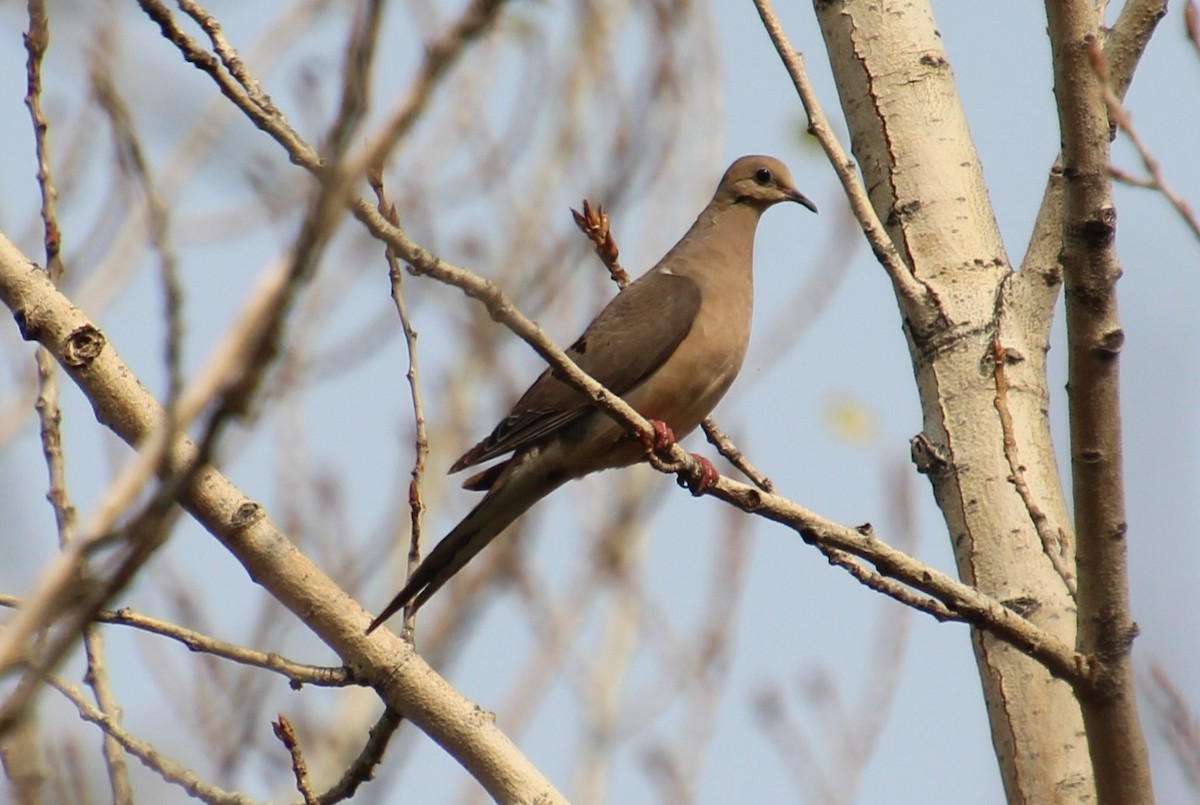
(670, 344)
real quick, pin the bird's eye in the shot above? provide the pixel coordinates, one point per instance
(763, 176)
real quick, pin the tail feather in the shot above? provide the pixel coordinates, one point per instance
(509, 498)
(485, 479)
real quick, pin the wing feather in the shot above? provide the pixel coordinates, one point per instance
(631, 337)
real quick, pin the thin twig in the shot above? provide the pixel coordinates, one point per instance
(1121, 117)
(1178, 723)
(133, 159)
(440, 55)
(287, 736)
(150, 757)
(97, 679)
(37, 39)
(769, 709)
(265, 116)
(1191, 22)
(593, 222)
(703, 678)
(296, 673)
(1127, 178)
(228, 54)
(49, 414)
(1053, 538)
(362, 767)
(416, 502)
(356, 79)
(889, 587)
(725, 446)
(912, 291)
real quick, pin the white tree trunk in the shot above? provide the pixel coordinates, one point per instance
(925, 182)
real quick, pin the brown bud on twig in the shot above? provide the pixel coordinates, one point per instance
(593, 222)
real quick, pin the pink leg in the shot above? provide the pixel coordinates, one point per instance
(664, 437)
(708, 476)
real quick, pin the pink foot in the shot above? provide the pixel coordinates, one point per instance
(664, 437)
(708, 476)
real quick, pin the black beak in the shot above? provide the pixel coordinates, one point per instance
(798, 197)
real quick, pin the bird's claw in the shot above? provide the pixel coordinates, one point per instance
(708, 476)
(663, 439)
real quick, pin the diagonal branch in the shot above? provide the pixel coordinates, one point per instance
(960, 599)
(150, 757)
(908, 288)
(402, 678)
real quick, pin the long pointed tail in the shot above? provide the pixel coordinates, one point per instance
(508, 499)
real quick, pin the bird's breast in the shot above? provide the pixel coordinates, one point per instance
(694, 379)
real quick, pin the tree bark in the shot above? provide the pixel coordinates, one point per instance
(402, 678)
(1094, 342)
(979, 363)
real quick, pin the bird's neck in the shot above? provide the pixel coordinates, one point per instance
(724, 231)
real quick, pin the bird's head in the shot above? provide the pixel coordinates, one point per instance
(760, 182)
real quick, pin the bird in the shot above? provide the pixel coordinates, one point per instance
(670, 344)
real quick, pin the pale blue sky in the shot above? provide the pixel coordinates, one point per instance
(800, 617)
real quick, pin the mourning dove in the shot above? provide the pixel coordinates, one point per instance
(670, 344)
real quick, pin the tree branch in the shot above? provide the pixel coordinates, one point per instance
(913, 293)
(404, 681)
(1039, 279)
(1095, 339)
(959, 598)
(150, 757)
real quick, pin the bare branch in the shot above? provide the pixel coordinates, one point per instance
(1054, 539)
(150, 757)
(911, 291)
(297, 673)
(402, 678)
(416, 503)
(965, 601)
(287, 736)
(1156, 180)
(363, 766)
(1095, 338)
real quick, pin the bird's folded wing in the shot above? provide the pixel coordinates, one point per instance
(631, 338)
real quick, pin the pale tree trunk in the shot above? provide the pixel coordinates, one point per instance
(977, 334)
